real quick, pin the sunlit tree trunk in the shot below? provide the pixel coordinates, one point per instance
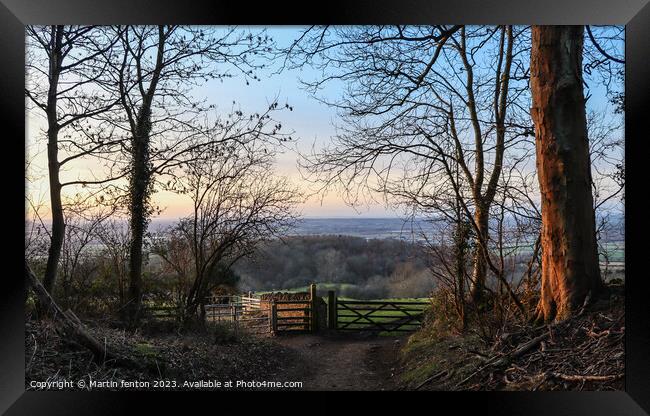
(570, 270)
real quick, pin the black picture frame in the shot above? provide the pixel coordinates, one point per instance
(635, 14)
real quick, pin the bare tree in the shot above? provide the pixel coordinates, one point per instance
(604, 61)
(237, 205)
(514, 226)
(66, 81)
(114, 236)
(418, 106)
(157, 69)
(81, 253)
(448, 247)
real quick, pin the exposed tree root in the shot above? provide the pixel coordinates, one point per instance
(583, 352)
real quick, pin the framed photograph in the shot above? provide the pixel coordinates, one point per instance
(425, 198)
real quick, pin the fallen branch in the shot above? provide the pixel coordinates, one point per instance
(524, 348)
(430, 379)
(496, 362)
(68, 324)
(566, 377)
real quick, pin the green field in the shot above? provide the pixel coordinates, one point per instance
(615, 250)
(385, 316)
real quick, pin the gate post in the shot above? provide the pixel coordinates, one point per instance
(331, 310)
(273, 311)
(314, 308)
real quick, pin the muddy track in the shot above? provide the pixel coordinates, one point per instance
(341, 362)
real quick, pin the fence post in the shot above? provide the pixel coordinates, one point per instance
(331, 310)
(273, 311)
(314, 308)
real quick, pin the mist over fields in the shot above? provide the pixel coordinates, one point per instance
(363, 258)
(379, 228)
(374, 257)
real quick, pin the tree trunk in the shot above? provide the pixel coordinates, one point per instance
(135, 266)
(570, 269)
(190, 310)
(479, 271)
(58, 222)
(141, 185)
(195, 299)
(460, 252)
(138, 207)
(120, 281)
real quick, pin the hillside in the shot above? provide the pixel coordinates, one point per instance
(361, 268)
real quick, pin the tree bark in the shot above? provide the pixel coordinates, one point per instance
(483, 201)
(479, 270)
(570, 269)
(460, 252)
(138, 207)
(141, 181)
(58, 221)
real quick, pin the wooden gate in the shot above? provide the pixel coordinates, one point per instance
(298, 315)
(379, 315)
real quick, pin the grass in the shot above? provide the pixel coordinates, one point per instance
(145, 350)
(339, 287)
(417, 375)
(614, 249)
(382, 316)
(430, 350)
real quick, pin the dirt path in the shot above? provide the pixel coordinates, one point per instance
(341, 362)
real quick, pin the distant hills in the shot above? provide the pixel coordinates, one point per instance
(390, 227)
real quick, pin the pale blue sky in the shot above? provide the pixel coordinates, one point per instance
(312, 121)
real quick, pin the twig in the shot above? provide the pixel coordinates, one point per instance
(521, 350)
(430, 379)
(567, 377)
(29, 364)
(506, 358)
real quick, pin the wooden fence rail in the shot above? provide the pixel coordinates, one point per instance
(243, 312)
(301, 315)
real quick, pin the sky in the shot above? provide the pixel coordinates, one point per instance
(312, 122)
